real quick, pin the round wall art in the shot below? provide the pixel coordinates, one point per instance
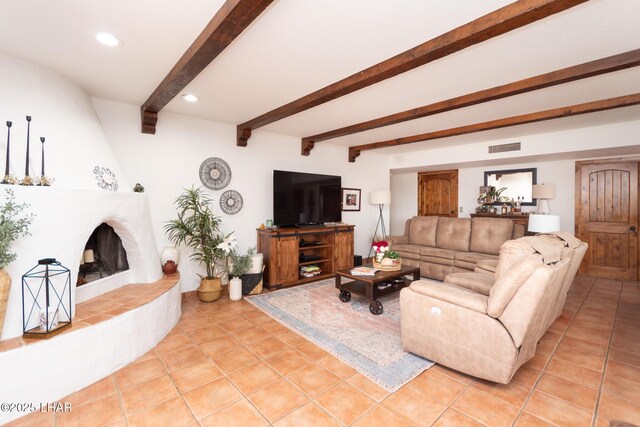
(231, 202)
(215, 173)
(106, 179)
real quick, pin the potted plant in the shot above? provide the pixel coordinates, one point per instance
(198, 228)
(238, 266)
(13, 224)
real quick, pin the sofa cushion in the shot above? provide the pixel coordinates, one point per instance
(487, 265)
(488, 234)
(438, 271)
(453, 233)
(422, 230)
(469, 260)
(508, 284)
(478, 282)
(437, 253)
(408, 251)
(412, 249)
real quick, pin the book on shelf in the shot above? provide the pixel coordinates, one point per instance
(310, 271)
(364, 271)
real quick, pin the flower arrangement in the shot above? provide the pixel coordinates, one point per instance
(385, 258)
(380, 246)
(382, 250)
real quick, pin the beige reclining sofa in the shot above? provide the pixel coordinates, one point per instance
(491, 335)
(440, 246)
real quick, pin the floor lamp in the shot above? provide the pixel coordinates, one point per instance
(379, 198)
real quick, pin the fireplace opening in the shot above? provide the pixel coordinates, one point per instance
(103, 256)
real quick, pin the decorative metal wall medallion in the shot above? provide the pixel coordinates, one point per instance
(231, 202)
(215, 173)
(106, 179)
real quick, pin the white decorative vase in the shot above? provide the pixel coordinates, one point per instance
(256, 264)
(169, 253)
(235, 289)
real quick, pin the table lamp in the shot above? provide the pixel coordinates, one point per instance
(543, 223)
(543, 192)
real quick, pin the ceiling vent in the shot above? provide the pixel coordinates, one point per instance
(504, 148)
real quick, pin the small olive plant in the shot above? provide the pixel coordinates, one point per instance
(240, 264)
(14, 223)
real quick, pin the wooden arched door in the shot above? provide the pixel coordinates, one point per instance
(438, 193)
(607, 218)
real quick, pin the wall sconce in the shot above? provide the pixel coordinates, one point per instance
(543, 192)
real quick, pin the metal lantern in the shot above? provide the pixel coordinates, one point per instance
(46, 299)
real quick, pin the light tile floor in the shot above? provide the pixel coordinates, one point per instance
(226, 363)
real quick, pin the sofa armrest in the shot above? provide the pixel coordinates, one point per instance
(397, 240)
(451, 294)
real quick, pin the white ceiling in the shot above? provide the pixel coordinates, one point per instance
(298, 46)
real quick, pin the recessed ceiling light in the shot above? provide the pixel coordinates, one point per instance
(189, 97)
(109, 39)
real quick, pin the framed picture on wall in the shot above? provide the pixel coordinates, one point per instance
(351, 199)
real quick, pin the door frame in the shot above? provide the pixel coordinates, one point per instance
(439, 172)
(578, 198)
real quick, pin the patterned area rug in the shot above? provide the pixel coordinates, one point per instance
(368, 343)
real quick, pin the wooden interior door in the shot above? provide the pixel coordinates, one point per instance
(607, 218)
(438, 193)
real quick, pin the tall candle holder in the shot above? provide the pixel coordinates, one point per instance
(8, 179)
(27, 180)
(43, 180)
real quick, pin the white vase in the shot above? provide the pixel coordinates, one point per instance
(169, 253)
(235, 289)
(256, 264)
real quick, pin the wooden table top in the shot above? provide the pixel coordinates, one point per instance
(380, 276)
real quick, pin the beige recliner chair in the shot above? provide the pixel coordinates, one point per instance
(487, 336)
(488, 271)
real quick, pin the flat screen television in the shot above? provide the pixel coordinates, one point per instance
(305, 198)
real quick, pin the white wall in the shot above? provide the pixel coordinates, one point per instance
(404, 200)
(169, 161)
(62, 113)
(567, 144)
(561, 173)
(67, 212)
(553, 154)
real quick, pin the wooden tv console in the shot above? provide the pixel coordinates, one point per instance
(286, 250)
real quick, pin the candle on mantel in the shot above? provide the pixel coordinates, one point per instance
(88, 255)
(6, 167)
(42, 140)
(26, 166)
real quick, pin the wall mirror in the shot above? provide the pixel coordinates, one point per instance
(519, 183)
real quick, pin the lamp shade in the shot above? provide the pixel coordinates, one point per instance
(544, 191)
(543, 223)
(380, 197)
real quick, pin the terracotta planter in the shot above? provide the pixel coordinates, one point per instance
(169, 267)
(210, 289)
(5, 285)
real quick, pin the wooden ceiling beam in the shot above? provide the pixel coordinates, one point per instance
(233, 17)
(500, 21)
(555, 113)
(588, 69)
